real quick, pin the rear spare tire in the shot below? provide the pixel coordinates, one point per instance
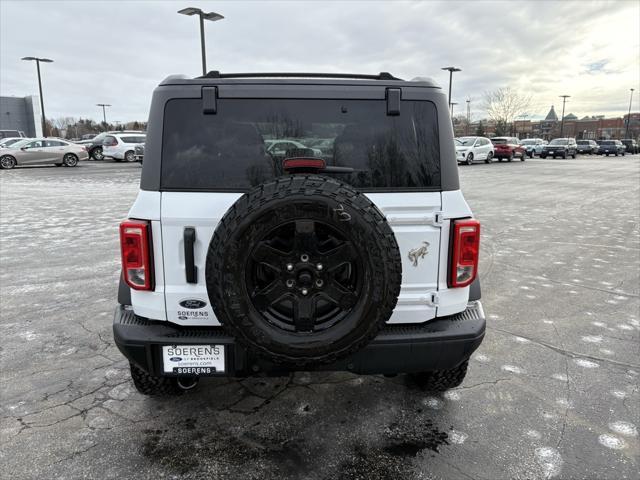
(303, 270)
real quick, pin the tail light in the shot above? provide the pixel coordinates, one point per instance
(135, 246)
(464, 253)
(303, 163)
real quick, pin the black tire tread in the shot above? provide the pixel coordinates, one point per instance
(441, 380)
(151, 385)
(305, 185)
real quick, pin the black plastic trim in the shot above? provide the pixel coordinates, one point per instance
(124, 292)
(191, 271)
(393, 101)
(475, 292)
(438, 344)
(380, 76)
(209, 100)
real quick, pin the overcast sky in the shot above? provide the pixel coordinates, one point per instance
(116, 52)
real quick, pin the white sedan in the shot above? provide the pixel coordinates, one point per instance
(473, 149)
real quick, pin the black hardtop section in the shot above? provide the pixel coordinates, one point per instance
(295, 86)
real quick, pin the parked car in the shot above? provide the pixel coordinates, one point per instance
(631, 145)
(12, 134)
(42, 151)
(508, 148)
(8, 141)
(121, 146)
(473, 149)
(95, 147)
(231, 268)
(138, 152)
(611, 147)
(587, 146)
(560, 147)
(533, 146)
(279, 148)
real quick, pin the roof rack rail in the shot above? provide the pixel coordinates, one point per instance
(380, 76)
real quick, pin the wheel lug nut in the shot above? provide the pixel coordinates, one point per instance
(289, 267)
(304, 291)
(319, 266)
(304, 257)
(319, 283)
(290, 283)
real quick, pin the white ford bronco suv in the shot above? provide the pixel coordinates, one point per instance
(348, 247)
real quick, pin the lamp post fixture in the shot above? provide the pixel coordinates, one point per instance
(626, 133)
(211, 16)
(104, 112)
(564, 100)
(38, 60)
(451, 70)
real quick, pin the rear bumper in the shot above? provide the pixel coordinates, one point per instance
(504, 153)
(439, 344)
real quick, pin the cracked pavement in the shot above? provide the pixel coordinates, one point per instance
(553, 392)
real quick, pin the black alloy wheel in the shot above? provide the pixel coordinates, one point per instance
(96, 153)
(304, 276)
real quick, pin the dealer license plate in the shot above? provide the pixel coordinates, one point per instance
(198, 360)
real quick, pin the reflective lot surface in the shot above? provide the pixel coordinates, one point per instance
(551, 393)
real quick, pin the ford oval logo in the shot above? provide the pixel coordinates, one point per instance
(193, 303)
(176, 359)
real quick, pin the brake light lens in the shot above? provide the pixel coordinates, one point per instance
(303, 163)
(464, 253)
(135, 246)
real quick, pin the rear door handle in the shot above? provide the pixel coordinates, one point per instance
(191, 271)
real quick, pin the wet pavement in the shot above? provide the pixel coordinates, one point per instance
(553, 392)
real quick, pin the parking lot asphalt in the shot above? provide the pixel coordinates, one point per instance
(553, 392)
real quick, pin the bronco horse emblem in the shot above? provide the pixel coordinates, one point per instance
(416, 253)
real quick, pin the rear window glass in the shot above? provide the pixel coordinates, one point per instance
(137, 139)
(245, 143)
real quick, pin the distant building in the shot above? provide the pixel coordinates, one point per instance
(551, 116)
(22, 114)
(595, 127)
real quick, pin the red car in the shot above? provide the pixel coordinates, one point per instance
(508, 148)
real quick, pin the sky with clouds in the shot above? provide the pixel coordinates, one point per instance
(116, 52)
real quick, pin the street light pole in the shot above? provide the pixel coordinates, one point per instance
(468, 115)
(38, 60)
(451, 104)
(104, 112)
(626, 133)
(211, 16)
(564, 99)
(451, 70)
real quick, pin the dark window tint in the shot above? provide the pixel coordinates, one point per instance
(110, 141)
(245, 143)
(136, 139)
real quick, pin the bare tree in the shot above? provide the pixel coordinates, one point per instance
(65, 126)
(504, 105)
